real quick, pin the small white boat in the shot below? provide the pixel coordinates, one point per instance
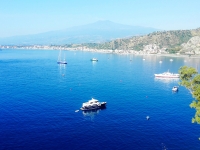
(94, 59)
(93, 104)
(167, 75)
(160, 61)
(175, 89)
(171, 60)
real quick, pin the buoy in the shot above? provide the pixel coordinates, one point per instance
(147, 117)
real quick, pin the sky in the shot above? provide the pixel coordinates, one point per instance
(23, 17)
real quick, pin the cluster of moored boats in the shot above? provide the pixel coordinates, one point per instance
(61, 59)
(94, 104)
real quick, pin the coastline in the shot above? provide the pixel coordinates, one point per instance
(118, 52)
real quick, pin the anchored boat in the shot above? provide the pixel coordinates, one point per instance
(94, 59)
(167, 75)
(93, 104)
(175, 89)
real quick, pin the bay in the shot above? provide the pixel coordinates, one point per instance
(38, 99)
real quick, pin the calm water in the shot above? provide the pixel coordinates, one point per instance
(38, 99)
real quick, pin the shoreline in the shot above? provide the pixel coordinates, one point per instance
(118, 52)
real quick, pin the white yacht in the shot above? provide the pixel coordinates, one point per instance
(93, 104)
(167, 75)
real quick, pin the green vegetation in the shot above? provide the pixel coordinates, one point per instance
(177, 41)
(173, 50)
(191, 80)
(170, 40)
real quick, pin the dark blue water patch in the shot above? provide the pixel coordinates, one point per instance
(38, 99)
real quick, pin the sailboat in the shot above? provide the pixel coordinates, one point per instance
(60, 59)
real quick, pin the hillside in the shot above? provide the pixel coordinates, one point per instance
(167, 41)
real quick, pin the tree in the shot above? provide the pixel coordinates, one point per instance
(191, 80)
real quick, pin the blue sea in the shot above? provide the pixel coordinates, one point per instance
(38, 100)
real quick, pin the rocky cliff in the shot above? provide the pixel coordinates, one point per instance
(192, 46)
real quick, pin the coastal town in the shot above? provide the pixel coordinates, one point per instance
(153, 49)
(148, 50)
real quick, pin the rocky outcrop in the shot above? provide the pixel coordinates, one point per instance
(153, 49)
(192, 46)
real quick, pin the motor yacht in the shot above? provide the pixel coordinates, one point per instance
(93, 104)
(167, 75)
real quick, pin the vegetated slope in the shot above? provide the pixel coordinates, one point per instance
(171, 41)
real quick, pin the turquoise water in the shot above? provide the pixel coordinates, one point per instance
(38, 99)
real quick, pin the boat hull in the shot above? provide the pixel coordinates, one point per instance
(61, 62)
(167, 75)
(175, 89)
(94, 59)
(103, 105)
(161, 76)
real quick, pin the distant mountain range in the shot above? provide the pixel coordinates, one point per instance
(97, 32)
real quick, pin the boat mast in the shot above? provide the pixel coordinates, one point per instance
(59, 56)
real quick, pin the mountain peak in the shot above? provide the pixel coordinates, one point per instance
(100, 31)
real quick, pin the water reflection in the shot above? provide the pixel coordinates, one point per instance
(91, 113)
(166, 80)
(94, 63)
(62, 69)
